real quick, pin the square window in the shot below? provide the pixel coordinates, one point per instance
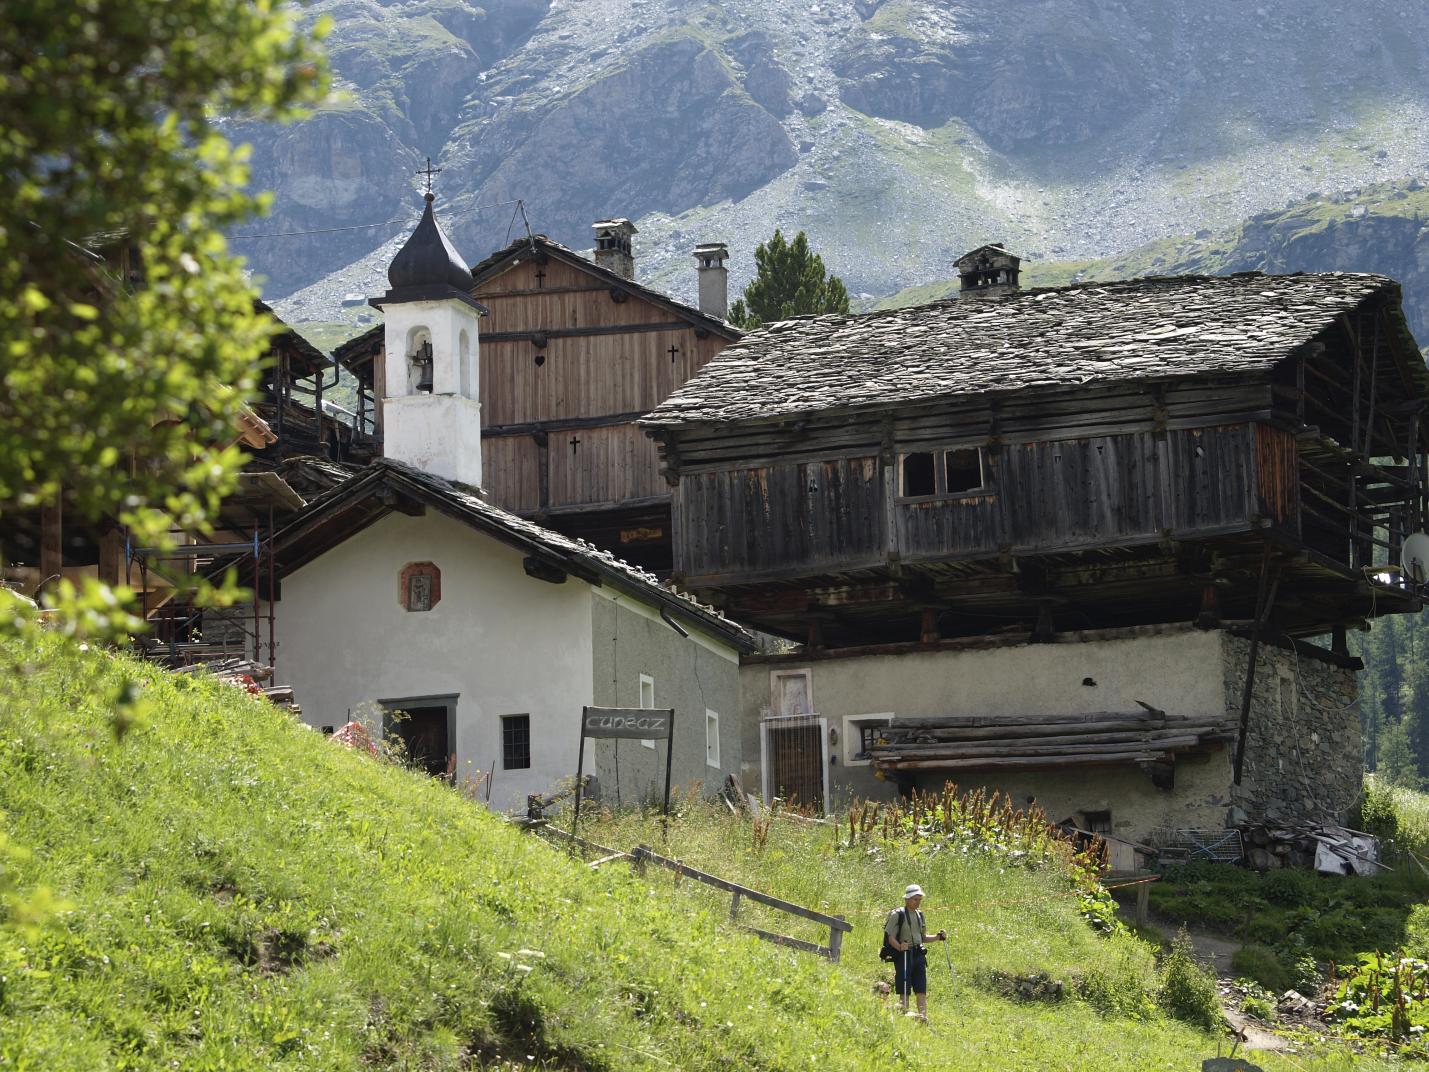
(515, 742)
(711, 738)
(918, 474)
(964, 469)
(861, 734)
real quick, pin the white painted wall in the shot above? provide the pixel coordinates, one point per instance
(440, 432)
(1179, 671)
(503, 642)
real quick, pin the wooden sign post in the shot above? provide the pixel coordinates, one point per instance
(629, 723)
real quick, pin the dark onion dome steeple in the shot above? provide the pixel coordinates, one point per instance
(428, 260)
(428, 268)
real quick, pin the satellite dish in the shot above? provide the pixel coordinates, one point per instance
(1414, 557)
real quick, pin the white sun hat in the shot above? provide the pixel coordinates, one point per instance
(913, 890)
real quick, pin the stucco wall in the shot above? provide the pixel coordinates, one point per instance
(1178, 670)
(691, 675)
(1302, 755)
(502, 642)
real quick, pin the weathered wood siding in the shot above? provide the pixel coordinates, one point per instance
(810, 517)
(829, 516)
(588, 386)
(604, 465)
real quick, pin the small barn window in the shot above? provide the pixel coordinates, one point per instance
(919, 477)
(964, 469)
(924, 474)
(515, 742)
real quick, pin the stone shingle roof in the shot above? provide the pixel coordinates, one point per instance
(322, 516)
(1141, 329)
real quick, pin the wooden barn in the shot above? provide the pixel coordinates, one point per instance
(1066, 544)
(1082, 457)
(573, 353)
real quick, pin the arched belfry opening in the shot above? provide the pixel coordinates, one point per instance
(431, 414)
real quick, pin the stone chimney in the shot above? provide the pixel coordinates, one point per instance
(612, 246)
(988, 272)
(714, 278)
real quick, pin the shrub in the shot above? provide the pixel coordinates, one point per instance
(1260, 963)
(1187, 991)
(1378, 814)
(1292, 888)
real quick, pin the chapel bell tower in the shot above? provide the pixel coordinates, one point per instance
(431, 416)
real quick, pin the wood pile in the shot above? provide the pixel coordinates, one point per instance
(1037, 742)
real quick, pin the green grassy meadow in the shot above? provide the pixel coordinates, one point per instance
(194, 881)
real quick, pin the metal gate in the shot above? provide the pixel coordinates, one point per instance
(794, 751)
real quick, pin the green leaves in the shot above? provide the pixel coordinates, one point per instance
(131, 338)
(791, 281)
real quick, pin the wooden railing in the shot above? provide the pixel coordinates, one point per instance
(837, 925)
(643, 854)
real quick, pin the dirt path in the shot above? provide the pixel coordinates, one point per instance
(1216, 952)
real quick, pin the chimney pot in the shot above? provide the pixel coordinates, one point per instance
(613, 249)
(714, 278)
(988, 272)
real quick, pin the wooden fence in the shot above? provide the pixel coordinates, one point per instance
(642, 855)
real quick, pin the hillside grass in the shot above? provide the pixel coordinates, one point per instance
(193, 880)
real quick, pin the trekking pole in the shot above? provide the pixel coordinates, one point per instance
(952, 975)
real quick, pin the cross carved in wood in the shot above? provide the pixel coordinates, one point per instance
(429, 171)
(574, 444)
(673, 351)
(540, 278)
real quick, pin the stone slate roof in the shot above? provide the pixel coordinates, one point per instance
(1062, 337)
(327, 521)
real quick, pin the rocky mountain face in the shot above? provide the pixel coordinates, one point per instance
(898, 133)
(1382, 229)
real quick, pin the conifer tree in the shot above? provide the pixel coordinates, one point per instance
(791, 280)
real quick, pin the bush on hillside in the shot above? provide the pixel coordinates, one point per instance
(1187, 991)
(1290, 887)
(1260, 962)
(1378, 814)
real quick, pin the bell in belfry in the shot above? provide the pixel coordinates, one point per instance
(422, 359)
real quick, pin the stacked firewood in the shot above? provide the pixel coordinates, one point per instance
(979, 742)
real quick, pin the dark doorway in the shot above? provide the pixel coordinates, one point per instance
(426, 729)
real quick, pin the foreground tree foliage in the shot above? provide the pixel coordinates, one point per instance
(129, 333)
(791, 281)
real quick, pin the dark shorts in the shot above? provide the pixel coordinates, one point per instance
(916, 976)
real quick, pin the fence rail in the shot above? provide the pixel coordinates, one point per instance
(643, 854)
(837, 925)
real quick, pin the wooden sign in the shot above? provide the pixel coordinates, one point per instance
(628, 723)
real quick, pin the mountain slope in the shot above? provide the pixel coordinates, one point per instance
(1382, 229)
(222, 888)
(898, 133)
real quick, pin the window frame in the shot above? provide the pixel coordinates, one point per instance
(940, 473)
(712, 720)
(852, 731)
(505, 719)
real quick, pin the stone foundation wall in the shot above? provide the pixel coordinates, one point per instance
(1303, 762)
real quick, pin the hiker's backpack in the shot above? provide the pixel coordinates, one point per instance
(888, 952)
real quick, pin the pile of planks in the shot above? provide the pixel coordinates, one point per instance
(1041, 742)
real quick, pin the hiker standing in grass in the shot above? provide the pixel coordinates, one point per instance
(907, 934)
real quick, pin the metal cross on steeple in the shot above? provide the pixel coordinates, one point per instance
(429, 171)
